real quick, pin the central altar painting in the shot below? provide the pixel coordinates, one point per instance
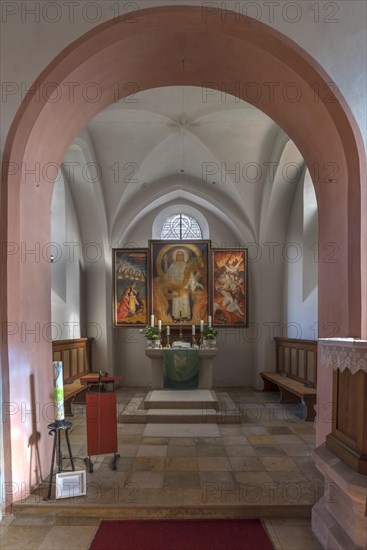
(180, 281)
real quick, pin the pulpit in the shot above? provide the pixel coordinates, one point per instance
(341, 513)
(206, 357)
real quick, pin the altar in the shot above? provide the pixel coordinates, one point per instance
(206, 357)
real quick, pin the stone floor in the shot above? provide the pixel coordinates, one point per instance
(261, 467)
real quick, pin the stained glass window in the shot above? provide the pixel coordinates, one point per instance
(181, 227)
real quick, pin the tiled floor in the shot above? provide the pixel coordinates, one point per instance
(262, 463)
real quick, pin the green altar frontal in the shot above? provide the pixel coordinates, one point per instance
(181, 369)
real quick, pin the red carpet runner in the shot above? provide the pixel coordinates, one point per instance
(246, 534)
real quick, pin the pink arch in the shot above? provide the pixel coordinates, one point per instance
(242, 57)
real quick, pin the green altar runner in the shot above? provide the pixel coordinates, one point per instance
(181, 369)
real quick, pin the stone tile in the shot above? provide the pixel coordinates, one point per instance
(148, 463)
(235, 440)
(181, 450)
(124, 464)
(181, 480)
(181, 441)
(216, 477)
(208, 440)
(154, 441)
(297, 450)
(279, 430)
(254, 430)
(253, 477)
(182, 464)
(128, 450)
(239, 450)
(161, 497)
(261, 440)
(5, 523)
(77, 520)
(293, 476)
(24, 537)
(131, 429)
(269, 450)
(280, 463)
(246, 463)
(310, 439)
(33, 520)
(208, 493)
(230, 430)
(214, 464)
(129, 440)
(210, 450)
(303, 428)
(147, 480)
(60, 537)
(152, 450)
(296, 537)
(287, 440)
(183, 430)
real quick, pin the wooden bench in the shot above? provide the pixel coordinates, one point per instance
(76, 357)
(291, 391)
(296, 359)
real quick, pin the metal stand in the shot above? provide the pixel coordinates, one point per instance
(55, 430)
(89, 464)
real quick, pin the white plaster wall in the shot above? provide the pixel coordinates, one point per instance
(300, 281)
(67, 300)
(334, 33)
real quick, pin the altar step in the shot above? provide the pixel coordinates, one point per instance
(181, 399)
(181, 407)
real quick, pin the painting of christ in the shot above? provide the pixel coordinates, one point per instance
(180, 281)
(230, 296)
(130, 271)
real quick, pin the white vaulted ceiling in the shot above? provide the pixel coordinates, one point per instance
(184, 143)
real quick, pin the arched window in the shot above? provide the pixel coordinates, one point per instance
(181, 227)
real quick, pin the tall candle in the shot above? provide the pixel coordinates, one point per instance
(152, 320)
(193, 330)
(210, 320)
(159, 326)
(58, 391)
(201, 326)
(167, 330)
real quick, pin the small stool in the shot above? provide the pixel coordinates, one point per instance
(55, 430)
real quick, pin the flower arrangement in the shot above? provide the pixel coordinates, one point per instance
(209, 333)
(150, 333)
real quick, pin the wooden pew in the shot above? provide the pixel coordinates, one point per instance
(76, 357)
(296, 364)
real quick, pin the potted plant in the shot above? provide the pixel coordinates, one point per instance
(152, 336)
(210, 336)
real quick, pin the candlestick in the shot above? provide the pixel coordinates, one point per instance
(193, 330)
(168, 330)
(168, 345)
(152, 320)
(201, 341)
(159, 326)
(201, 326)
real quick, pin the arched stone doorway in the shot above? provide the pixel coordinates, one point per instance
(168, 46)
